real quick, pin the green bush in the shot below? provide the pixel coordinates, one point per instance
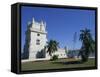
(54, 57)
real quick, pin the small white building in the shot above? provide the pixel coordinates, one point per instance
(36, 40)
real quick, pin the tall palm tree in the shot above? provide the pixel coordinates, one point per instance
(52, 47)
(86, 39)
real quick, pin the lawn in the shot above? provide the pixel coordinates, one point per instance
(61, 63)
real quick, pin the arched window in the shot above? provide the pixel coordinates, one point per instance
(38, 34)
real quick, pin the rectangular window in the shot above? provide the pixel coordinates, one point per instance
(37, 42)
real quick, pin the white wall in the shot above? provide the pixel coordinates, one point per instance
(5, 42)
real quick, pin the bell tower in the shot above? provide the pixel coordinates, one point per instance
(35, 38)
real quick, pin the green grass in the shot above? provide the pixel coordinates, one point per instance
(61, 63)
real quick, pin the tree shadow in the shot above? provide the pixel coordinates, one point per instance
(69, 62)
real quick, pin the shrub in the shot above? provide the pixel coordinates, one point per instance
(54, 57)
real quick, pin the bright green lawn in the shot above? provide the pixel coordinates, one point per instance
(61, 63)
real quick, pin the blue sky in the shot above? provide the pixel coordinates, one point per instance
(61, 24)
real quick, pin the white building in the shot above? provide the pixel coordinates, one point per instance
(36, 40)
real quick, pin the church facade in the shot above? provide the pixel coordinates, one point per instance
(36, 41)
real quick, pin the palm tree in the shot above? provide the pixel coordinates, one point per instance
(52, 47)
(87, 41)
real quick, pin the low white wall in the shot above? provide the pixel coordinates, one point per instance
(41, 59)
